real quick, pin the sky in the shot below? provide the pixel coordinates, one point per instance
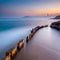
(29, 7)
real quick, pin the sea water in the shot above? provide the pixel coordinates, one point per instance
(12, 30)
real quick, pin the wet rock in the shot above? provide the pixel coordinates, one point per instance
(57, 17)
(55, 25)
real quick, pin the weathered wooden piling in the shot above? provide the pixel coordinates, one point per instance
(41, 27)
(27, 39)
(7, 58)
(20, 45)
(32, 31)
(46, 26)
(31, 35)
(13, 52)
(8, 53)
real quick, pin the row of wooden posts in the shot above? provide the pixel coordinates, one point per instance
(33, 31)
(12, 53)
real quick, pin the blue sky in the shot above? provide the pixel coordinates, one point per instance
(29, 7)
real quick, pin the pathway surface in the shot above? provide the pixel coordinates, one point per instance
(43, 46)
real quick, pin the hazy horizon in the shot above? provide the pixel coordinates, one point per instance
(29, 7)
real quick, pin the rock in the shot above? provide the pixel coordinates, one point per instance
(57, 17)
(55, 25)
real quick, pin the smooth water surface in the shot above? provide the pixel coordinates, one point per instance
(45, 45)
(12, 30)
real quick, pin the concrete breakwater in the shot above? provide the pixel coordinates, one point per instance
(13, 52)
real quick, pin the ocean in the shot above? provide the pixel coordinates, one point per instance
(12, 30)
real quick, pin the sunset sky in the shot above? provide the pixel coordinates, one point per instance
(29, 7)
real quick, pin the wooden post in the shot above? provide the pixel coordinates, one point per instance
(20, 45)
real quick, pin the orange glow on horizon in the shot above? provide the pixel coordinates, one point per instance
(33, 13)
